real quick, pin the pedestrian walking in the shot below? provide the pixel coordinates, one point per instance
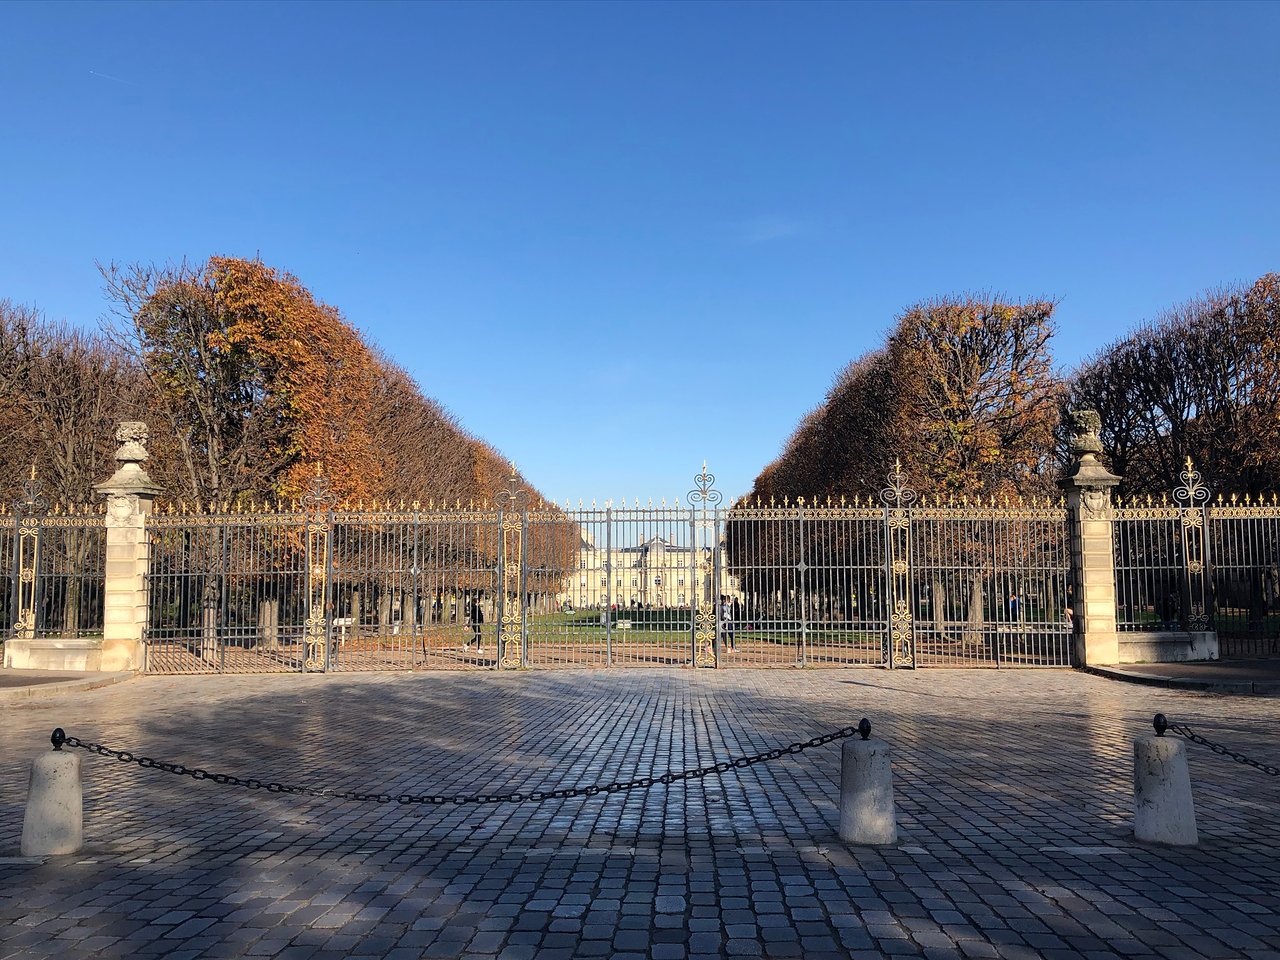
(726, 623)
(475, 620)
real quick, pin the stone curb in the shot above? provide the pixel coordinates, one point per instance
(37, 690)
(1243, 688)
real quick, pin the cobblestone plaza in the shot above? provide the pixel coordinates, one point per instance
(1014, 805)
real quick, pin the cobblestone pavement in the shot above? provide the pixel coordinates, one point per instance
(1014, 803)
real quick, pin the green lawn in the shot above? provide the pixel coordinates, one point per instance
(584, 627)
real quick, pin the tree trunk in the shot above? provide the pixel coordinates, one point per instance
(409, 609)
(209, 621)
(973, 633)
(269, 623)
(384, 612)
(939, 595)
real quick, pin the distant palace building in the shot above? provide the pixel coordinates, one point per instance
(654, 573)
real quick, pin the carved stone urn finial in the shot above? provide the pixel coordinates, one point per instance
(132, 436)
(130, 478)
(1086, 426)
(1087, 474)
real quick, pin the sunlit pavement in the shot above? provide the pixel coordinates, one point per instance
(1014, 801)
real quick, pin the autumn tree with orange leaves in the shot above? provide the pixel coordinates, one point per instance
(261, 387)
(963, 393)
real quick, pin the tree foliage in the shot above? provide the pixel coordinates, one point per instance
(263, 386)
(962, 393)
(62, 391)
(1202, 380)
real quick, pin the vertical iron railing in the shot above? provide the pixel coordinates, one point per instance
(227, 592)
(898, 498)
(8, 572)
(1243, 534)
(71, 573)
(1162, 560)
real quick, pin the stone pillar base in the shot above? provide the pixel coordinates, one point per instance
(1170, 646)
(76, 655)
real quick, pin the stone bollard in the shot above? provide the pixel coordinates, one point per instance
(1163, 811)
(54, 821)
(867, 815)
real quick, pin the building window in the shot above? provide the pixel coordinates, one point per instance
(682, 598)
(680, 583)
(583, 583)
(604, 581)
(582, 564)
(635, 582)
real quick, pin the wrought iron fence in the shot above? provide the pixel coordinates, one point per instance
(323, 589)
(226, 592)
(1189, 563)
(8, 572)
(990, 584)
(414, 588)
(52, 567)
(1243, 537)
(614, 586)
(1152, 582)
(894, 583)
(909, 583)
(813, 584)
(897, 581)
(71, 573)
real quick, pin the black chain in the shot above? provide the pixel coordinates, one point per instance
(536, 796)
(1182, 730)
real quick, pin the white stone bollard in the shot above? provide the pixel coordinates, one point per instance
(1163, 811)
(867, 814)
(54, 820)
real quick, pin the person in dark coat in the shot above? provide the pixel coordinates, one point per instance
(475, 620)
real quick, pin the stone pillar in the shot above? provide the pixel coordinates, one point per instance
(1093, 568)
(130, 495)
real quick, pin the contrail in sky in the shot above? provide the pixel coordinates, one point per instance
(107, 76)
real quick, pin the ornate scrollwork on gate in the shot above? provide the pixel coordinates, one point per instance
(705, 492)
(30, 510)
(704, 619)
(704, 495)
(318, 502)
(1191, 498)
(897, 498)
(513, 503)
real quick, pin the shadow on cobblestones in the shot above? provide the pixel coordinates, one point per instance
(1013, 800)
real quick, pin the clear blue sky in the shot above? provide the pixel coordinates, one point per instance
(617, 239)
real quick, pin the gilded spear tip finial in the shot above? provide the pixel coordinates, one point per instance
(33, 469)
